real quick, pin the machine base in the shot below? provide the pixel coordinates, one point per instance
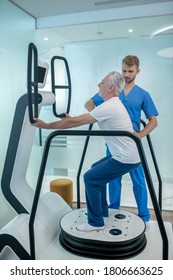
(122, 238)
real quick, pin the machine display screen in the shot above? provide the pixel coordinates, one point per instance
(41, 74)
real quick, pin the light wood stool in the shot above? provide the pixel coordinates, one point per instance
(64, 187)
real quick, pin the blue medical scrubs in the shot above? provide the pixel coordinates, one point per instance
(135, 102)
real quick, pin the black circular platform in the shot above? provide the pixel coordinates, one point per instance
(123, 236)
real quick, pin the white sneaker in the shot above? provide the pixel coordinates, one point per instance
(88, 228)
(148, 226)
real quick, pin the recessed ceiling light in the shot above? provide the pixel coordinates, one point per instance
(46, 39)
(130, 30)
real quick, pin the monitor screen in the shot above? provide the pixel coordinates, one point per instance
(42, 73)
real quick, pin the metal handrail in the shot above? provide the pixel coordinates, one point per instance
(155, 165)
(152, 154)
(81, 165)
(96, 133)
(54, 86)
(32, 82)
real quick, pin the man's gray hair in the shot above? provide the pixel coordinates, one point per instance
(117, 79)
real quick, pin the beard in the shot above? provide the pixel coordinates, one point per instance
(128, 80)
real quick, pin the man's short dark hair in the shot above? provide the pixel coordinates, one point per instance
(131, 60)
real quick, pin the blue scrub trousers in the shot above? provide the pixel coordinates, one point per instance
(95, 179)
(139, 189)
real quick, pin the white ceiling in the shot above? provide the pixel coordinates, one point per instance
(102, 30)
(142, 27)
(46, 8)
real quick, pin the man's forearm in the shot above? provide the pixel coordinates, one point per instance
(89, 105)
(152, 124)
(67, 122)
(64, 123)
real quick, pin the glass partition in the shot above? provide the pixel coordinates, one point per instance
(17, 29)
(92, 50)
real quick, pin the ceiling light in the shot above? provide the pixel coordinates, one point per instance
(46, 39)
(130, 30)
(162, 30)
(168, 52)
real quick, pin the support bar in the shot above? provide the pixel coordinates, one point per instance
(96, 133)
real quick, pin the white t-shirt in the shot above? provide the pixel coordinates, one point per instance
(112, 115)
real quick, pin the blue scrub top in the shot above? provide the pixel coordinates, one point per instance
(135, 102)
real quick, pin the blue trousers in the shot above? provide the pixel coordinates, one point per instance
(95, 179)
(139, 190)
